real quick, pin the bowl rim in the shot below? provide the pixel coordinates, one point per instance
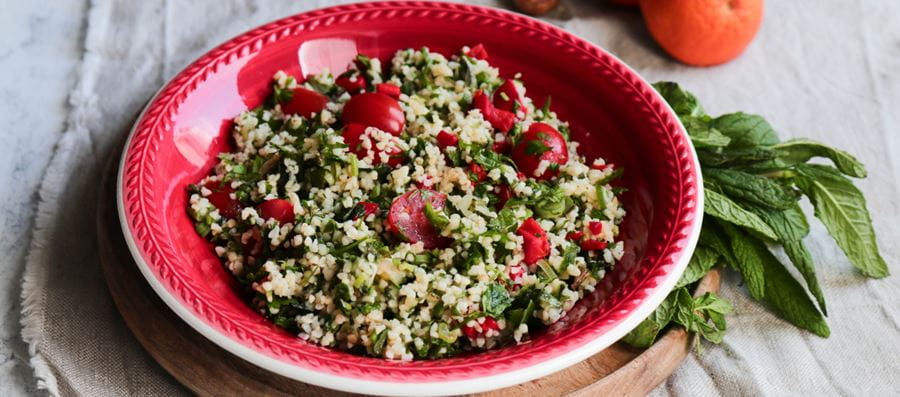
(413, 388)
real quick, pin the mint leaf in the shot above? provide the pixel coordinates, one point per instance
(745, 130)
(788, 224)
(748, 255)
(682, 102)
(799, 151)
(842, 208)
(553, 204)
(787, 297)
(520, 316)
(709, 301)
(645, 333)
(701, 262)
(802, 260)
(495, 299)
(702, 134)
(712, 237)
(704, 315)
(761, 269)
(791, 227)
(720, 206)
(746, 158)
(379, 341)
(506, 219)
(754, 189)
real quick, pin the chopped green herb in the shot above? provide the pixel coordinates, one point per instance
(495, 299)
(536, 147)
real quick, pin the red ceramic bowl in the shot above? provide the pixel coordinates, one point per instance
(612, 111)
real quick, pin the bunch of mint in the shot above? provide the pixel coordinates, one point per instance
(753, 183)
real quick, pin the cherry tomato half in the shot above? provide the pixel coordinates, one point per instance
(305, 102)
(372, 109)
(446, 139)
(593, 245)
(478, 52)
(575, 236)
(507, 95)
(280, 209)
(222, 200)
(389, 89)
(535, 246)
(500, 119)
(540, 142)
(407, 218)
(351, 83)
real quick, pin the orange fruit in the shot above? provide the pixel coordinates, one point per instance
(703, 32)
(535, 7)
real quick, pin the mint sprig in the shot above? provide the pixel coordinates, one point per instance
(753, 183)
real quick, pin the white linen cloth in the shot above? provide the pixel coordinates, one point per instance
(824, 70)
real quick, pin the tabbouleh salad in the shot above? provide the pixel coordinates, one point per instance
(413, 210)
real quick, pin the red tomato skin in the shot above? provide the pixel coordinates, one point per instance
(352, 134)
(369, 208)
(536, 246)
(501, 120)
(557, 151)
(389, 89)
(575, 236)
(469, 332)
(280, 209)
(446, 139)
(512, 94)
(502, 147)
(478, 171)
(504, 193)
(221, 199)
(349, 84)
(516, 273)
(595, 227)
(305, 102)
(481, 102)
(593, 245)
(478, 52)
(372, 109)
(407, 219)
(489, 324)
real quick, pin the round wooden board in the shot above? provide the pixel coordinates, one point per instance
(208, 370)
